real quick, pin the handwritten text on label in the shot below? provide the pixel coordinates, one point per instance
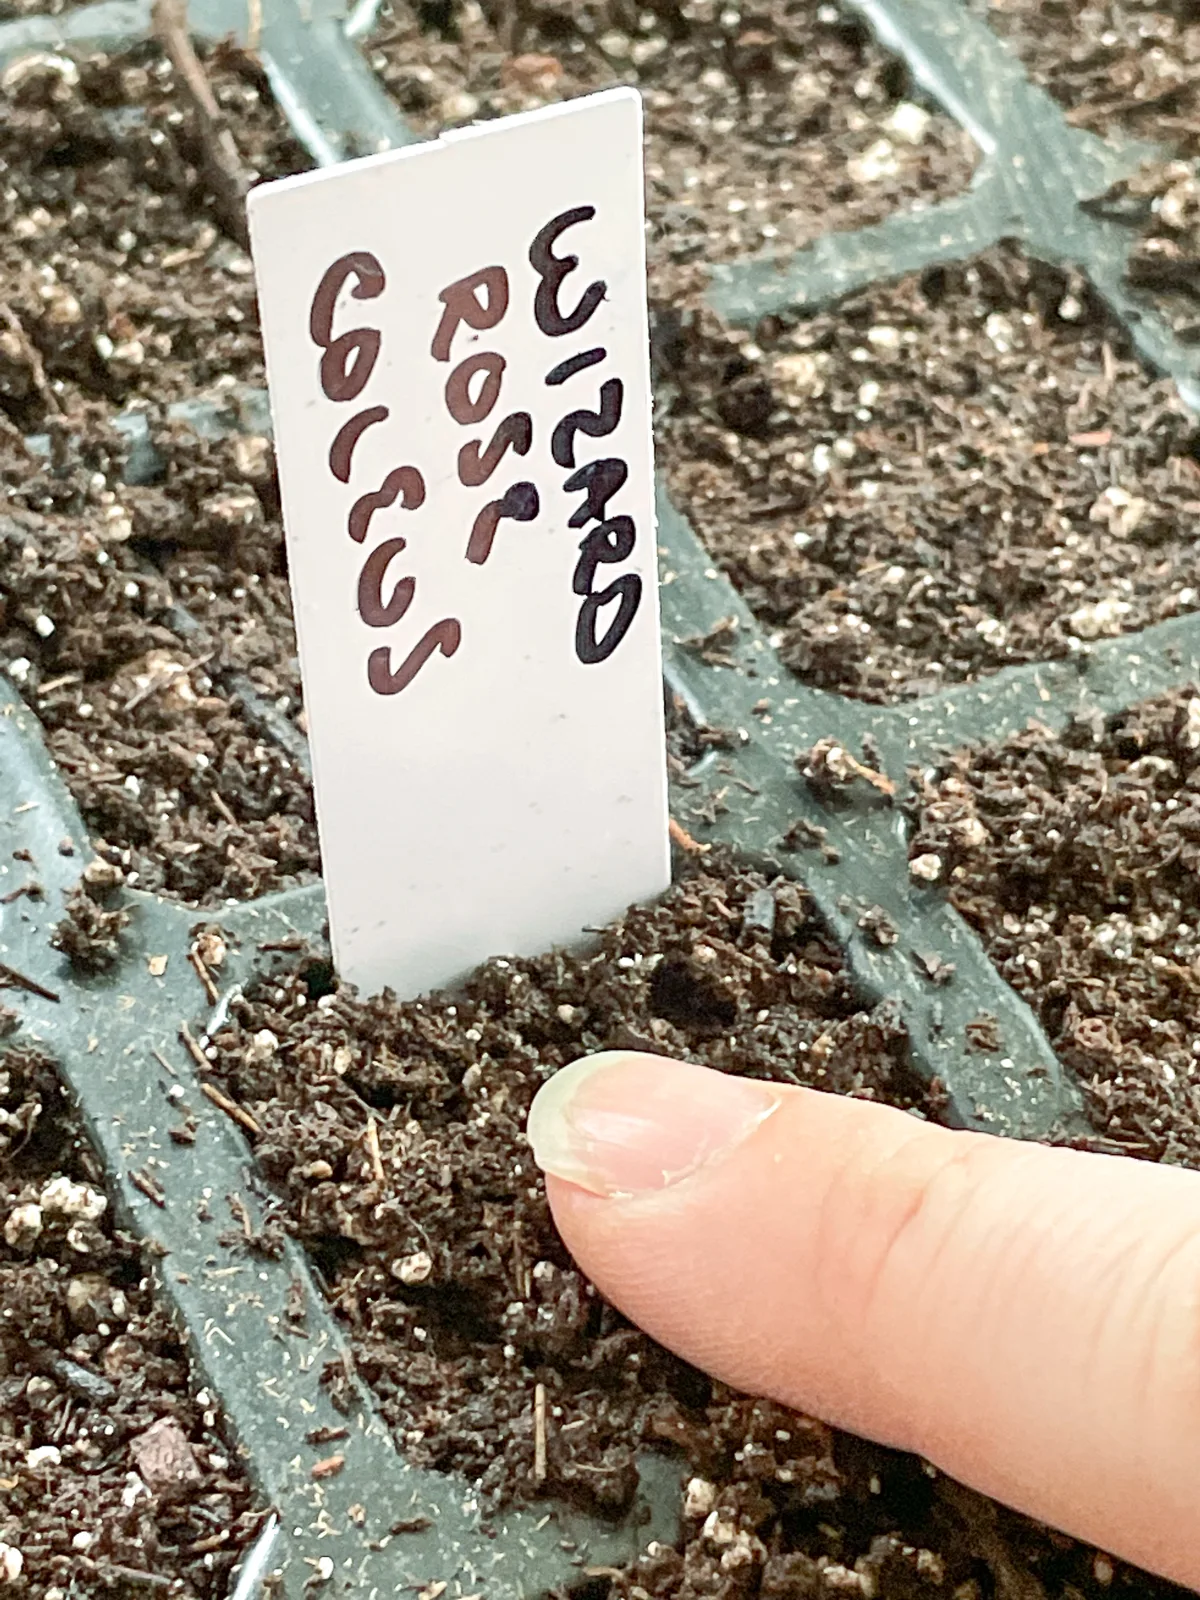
(479, 302)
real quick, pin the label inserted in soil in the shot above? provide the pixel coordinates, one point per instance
(458, 356)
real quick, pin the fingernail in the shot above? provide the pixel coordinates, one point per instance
(620, 1124)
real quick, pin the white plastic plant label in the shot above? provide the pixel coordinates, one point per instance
(457, 349)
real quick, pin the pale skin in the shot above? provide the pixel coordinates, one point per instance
(1026, 1318)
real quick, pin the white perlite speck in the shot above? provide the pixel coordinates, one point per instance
(877, 161)
(133, 1491)
(699, 1498)
(261, 1048)
(414, 1268)
(884, 337)
(738, 1547)
(67, 1199)
(1102, 617)
(12, 1563)
(801, 376)
(927, 867)
(908, 122)
(1118, 508)
(22, 1226)
(971, 832)
(719, 1530)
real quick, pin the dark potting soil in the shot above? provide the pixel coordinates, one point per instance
(1131, 70)
(765, 127)
(121, 280)
(173, 784)
(1076, 858)
(199, 804)
(1161, 204)
(115, 1477)
(938, 477)
(124, 294)
(393, 1134)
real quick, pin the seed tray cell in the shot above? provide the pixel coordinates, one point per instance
(255, 1318)
(99, 1409)
(937, 477)
(1085, 897)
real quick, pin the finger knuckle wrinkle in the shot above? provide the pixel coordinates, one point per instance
(918, 1202)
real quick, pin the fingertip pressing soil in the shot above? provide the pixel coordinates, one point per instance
(938, 477)
(393, 1134)
(115, 1476)
(1076, 860)
(396, 1134)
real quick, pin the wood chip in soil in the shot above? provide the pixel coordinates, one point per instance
(113, 1462)
(463, 1307)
